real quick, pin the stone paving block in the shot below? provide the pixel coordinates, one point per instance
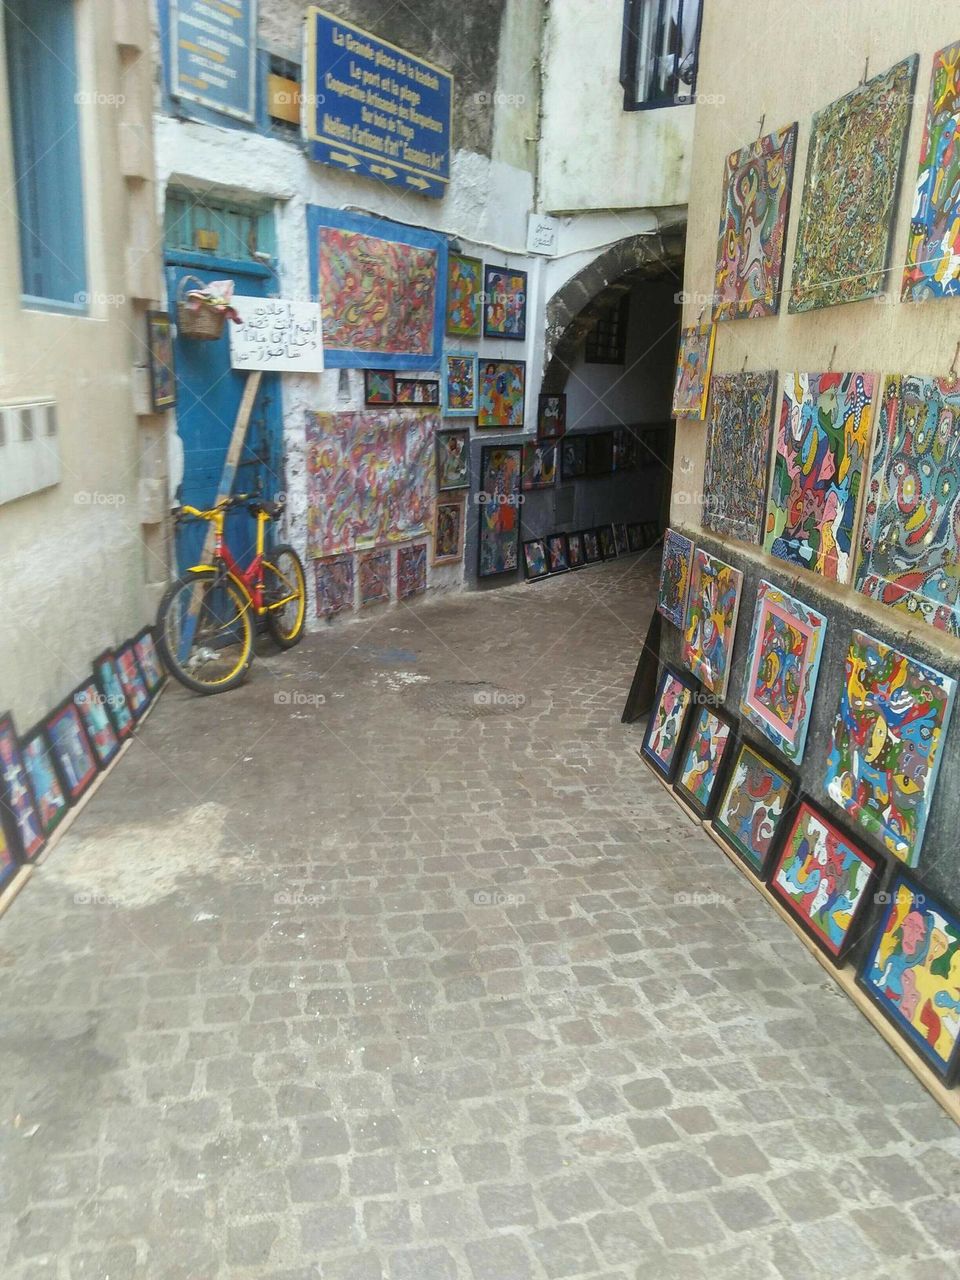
(563, 1250)
(681, 1221)
(498, 1258)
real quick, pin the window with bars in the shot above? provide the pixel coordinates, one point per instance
(606, 343)
(658, 58)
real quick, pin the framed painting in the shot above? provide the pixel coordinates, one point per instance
(608, 543)
(738, 450)
(626, 448)
(575, 550)
(600, 453)
(667, 725)
(381, 291)
(573, 457)
(48, 793)
(757, 182)
(502, 390)
(824, 879)
(453, 459)
(459, 384)
(379, 387)
(417, 391)
(786, 644)
(820, 452)
(620, 538)
(591, 546)
(912, 973)
(694, 362)
(854, 160)
(710, 626)
(558, 553)
(535, 564)
(146, 650)
(8, 859)
(374, 577)
(933, 249)
(91, 704)
(334, 585)
(464, 311)
(705, 751)
(448, 531)
(908, 557)
(163, 379)
(498, 544)
(107, 680)
(75, 758)
(131, 678)
(539, 465)
(24, 829)
(887, 743)
(754, 799)
(635, 543)
(504, 303)
(411, 570)
(675, 565)
(551, 415)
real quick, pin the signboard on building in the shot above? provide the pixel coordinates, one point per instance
(277, 335)
(374, 109)
(213, 55)
(542, 232)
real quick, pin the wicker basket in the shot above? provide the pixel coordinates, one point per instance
(203, 324)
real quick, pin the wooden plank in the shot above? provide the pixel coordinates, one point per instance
(232, 460)
(14, 887)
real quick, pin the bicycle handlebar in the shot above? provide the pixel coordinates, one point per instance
(209, 513)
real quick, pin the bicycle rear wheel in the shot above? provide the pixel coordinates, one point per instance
(285, 589)
(205, 632)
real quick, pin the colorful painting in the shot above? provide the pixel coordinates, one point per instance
(374, 577)
(502, 392)
(163, 380)
(912, 972)
(52, 804)
(786, 644)
(675, 565)
(499, 507)
(380, 287)
(667, 724)
(23, 826)
(335, 586)
(131, 678)
(464, 296)
(823, 879)
(149, 660)
(738, 447)
(887, 741)
(573, 457)
(92, 706)
(369, 478)
(535, 558)
(411, 570)
(459, 385)
(755, 798)
(504, 303)
(908, 546)
(551, 415)
(575, 550)
(76, 761)
(591, 546)
(933, 250)
(702, 761)
(114, 699)
(539, 465)
(417, 391)
(557, 553)
(713, 603)
(820, 452)
(379, 386)
(448, 531)
(694, 362)
(850, 192)
(453, 459)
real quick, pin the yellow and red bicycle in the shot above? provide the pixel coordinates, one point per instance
(205, 623)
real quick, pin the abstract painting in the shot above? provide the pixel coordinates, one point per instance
(786, 643)
(93, 712)
(459, 384)
(453, 459)
(369, 478)
(908, 546)
(52, 804)
(551, 415)
(145, 648)
(74, 756)
(499, 510)
(755, 798)
(131, 680)
(334, 586)
(738, 446)
(464, 302)
(558, 554)
(667, 724)
(573, 457)
(16, 798)
(694, 362)
(448, 531)
(535, 558)
(114, 699)
(539, 465)
(820, 452)
(702, 761)
(675, 566)
(850, 192)
(575, 550)
(933, 249)
(379, 386)
(380, 288)
(824, 879)
(505, 303)
(912, 972)
(753, 227)
(713, 603)
(887, 741)
(418, 391)
(374, 577)
(411, 570)
(502, 390)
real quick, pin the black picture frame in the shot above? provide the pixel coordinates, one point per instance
(115, 699)
(161, 361)
(371, 400)
(591, 546)
(88, 699)
(515, 333)
(608, 543)
(560, 539)
(464, 434)
(551, 425)
(667, 770)
(759, 867)
(134, 674)
(515, 498)
(576, 540)
(149, 660)
(686, 795)
(529, 572)
(76, 786)
(427, 391)
(38, 736)
(573, 457)
(634, 537)
(620, 538)
(11, 763)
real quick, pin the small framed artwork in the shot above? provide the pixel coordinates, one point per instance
(755, 798)
(558, 554)
(591, 546)
(502, 389)
(635, 538)
(498, 537)
(600, 453)
(107, 679)
(91, 704)
(75, 758)
(459, 384)
(620, 538)
(335, 585)
(417, 391)
(535, 564)
(608, 544)
(453, 459)
(448, 531)
(131, 678)
(464, 311)
(48, 793)
(505, 303)
(573, 457)
(675, 564)
(694, 362)
(379, 387)
(163, 380)
(625, 449)
(667, 725)
(149, 660)
(551, 415)
(912, 973)
(710, 625)
(411, 570)
(539, 466)
(704, 755)
(374, 577)
(575, 551)
(22, 823)
(824, 879)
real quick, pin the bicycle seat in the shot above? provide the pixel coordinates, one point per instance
(269, 509)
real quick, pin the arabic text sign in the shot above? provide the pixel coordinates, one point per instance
(277, 335)
(213, 55)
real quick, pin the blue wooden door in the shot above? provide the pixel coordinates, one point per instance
(208, 397)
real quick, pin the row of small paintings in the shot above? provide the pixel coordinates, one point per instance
(560, 552)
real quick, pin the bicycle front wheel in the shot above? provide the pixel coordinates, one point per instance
(285, 589)
(205, 632)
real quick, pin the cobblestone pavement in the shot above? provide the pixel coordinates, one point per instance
(397, 964)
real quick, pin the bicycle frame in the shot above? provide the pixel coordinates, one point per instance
(251, 578)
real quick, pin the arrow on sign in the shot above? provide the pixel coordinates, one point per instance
(417, 182)
(352, 161)
(383, 170)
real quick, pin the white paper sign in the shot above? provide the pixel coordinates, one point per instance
(542, 234)
(276, 335)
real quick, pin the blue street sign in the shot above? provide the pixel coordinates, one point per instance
(213, 48)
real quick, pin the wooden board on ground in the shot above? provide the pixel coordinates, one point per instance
(644, 687)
